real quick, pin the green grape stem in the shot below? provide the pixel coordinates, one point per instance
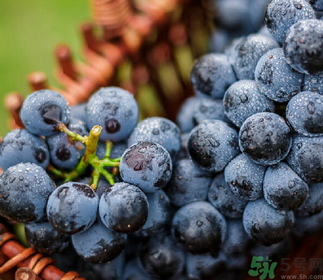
(89, 158)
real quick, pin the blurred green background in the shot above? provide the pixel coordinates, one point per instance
(29, 31)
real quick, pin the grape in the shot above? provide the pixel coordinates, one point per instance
(244, 177)
(43, 110)
(282, 14)
(237, 240)
(68, 260)
(283, 189)
(313, 203)
(256, 12)
(78, 112)
(24, 190)
(316, 4)
(112, 270)
(209, 109)
(219, 40)
(247, 53)
(243, 99)
(64, 152)
(212, 144)
(275, 78)
(99, 244)
(185, 118)
(222, 198)
(159, 214)
(264, 224)
(162, 257)
(20, 146)
(134, 271)
(204, 266)
(274, 251)
(306, 158)
(188, 183)
(146, 165)
(233, 14)
(199, 227)
(196, 110)
(265, 138)
(305, 226)
(211, 75)
(303, 46)
(115, 110)
(304, 113)
(313, 83)
(123, 208)
(158, 130)
(44, 238)
(72, 208)
(230, 50)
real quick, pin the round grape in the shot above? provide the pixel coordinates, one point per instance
(264, 224)
(275, 78)
(98, 244)
(115, 110)
(72, 208)
(211, 75)
(265, 138)
(199, 227)
(146, 165)
(21, 146)
(244, 177)
(158, 130)
(24, 191)
(123, 208)
(304, 113)
(65, 152)
(188, 183)
(223, 199)
(212, 144)
(303, 46)
(243, 99)
(43, 110)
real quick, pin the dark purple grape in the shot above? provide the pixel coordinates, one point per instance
(212, 144)
(245, 178)
(188, 183)
(265, 138)
(98, 244)
(24, 191)
(162, 257)
(45, 239)
(264, 224)
(223, 199)
(199, 227)
(21, 146)
(146, 165)
(72, 208)
(43, 110)
(123, 208)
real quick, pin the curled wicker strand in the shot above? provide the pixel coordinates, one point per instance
(34, 260)
(41, 264)
(71, 276)
(17, 259)
(5, 237)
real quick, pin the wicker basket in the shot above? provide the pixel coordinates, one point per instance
(147, 47)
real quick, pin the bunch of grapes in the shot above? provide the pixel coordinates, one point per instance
(241, 172)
